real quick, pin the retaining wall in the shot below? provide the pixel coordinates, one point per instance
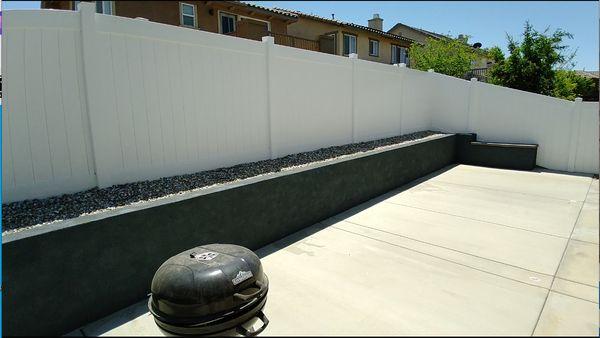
(60, 276)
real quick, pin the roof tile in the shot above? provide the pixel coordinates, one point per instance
(349, 24)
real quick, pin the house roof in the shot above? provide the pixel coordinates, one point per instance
(271, 10)
(587, 73)
(348, 24)
(426, 32)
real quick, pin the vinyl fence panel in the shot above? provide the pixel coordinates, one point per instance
(95, 100)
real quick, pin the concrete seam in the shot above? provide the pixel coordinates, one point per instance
(475, 219)
(515, 192)
(443, 247)
(560, 263)
(582, 241)
(444, 259)
(568, 295)
(576, 282)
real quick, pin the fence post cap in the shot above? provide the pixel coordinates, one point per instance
(353, 56)
(268, 39)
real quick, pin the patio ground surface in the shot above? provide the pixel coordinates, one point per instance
(466, 250)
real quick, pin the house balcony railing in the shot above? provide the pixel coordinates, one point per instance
(479, 73)
(294, 41)
(249, 30)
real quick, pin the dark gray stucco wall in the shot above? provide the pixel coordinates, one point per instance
(57, 281)
(495, 155)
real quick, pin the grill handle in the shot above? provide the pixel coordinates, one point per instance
(244, 332)
(243, 297)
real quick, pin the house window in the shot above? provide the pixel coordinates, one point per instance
(227, 22)
(399, 55)
(335, 45)
(373, 47)
(349, 44)
(188, 15)
(102, 7)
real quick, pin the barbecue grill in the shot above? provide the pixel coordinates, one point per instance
(209, 289)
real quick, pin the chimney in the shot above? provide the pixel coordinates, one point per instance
(376, 22)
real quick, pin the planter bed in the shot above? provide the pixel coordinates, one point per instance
(22, 215)
(519, 156)
(60, 276)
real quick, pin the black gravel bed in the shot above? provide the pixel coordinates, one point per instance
(24, 214)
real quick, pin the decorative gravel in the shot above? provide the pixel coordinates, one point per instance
(25, 214)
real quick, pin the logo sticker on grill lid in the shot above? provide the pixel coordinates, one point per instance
(241, 276)
(205, 256)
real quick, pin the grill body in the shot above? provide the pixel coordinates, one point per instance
(209, 289)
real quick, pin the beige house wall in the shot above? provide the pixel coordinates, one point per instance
(312, 29)
(480, 62)
(409, 33)
(362, 45)
(168, 12)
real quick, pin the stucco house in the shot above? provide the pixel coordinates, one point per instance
(225, 17)
(370, 42)
(421, 35)
(417, 34)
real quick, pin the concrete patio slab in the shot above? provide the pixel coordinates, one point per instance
(593, 195)
(567, 316)
(355, 285)
(541, 183)
(131, 321)
(580, 263)
(530, 212)
(472, 261)
(595, 187)
(576, 290)
(588, 224)
(387, 269)
(483, 239)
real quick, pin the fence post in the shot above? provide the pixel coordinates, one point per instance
(353, 57)
(402, 70)
(269, 43)
(472, 105)
(431, 112)
(574, 136)
(90, 55)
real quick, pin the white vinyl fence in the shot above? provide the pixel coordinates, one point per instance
(96, 100)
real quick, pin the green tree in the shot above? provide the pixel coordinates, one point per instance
(568, 85)
(496, 54)
(532, 63)
(447, 56)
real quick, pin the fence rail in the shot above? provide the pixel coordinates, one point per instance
(82, 105)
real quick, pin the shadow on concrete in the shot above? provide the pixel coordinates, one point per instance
(315, 228)
(542, 170)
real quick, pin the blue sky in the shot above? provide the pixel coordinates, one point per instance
(487, 22)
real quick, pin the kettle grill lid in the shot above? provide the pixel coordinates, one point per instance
(206, 274)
